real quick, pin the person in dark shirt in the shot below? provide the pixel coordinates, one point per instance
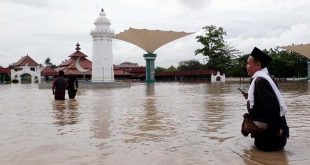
(59, 86)
(266, 107)
(72, 87)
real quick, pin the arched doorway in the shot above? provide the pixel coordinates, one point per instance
(25, 78)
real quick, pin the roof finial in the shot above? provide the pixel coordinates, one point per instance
(77, 47)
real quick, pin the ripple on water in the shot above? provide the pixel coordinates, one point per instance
(164, 123)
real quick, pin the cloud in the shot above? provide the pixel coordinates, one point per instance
(49, 28)
(196, 4)
(33, 3)
(296, 34)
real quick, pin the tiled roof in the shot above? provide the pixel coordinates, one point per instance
(186, 73)
(120, 72)
(5, 70)
(140, 69)
(48, 71)
(78, 54)
(26, 60)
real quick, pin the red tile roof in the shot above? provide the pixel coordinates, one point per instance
(120, 72)
(186, 73)
(48, 71)
(69, 67)
(78, 54)
(26, 60)
(5, 70)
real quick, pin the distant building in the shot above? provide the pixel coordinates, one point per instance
(218, 77)
(5, 75)
(121, 74)
(127, 66)
(135, 71)
(76, 64)
(48, 73)
(172, 68)
(185, 75)
(26, 70)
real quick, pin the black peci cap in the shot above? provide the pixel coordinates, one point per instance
(260, 56)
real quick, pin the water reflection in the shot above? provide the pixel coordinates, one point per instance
(102, 106)
(152, 126)
(214, 107)
(255, 156)
(162, 123)
(65, 112)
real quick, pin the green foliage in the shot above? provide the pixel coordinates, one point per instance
(190, 65)
(48, 62)
(217, 52)
(160, 69)
(287, 64)
(284, 64)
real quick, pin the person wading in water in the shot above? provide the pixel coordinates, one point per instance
(265, 120)
(59, 86)
(72, 87)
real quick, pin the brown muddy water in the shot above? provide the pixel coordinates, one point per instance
(160, 124)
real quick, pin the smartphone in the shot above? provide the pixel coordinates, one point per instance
(241, 90)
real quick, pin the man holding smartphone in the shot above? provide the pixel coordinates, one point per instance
(266, 107)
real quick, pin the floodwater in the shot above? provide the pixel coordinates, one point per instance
(160, 124)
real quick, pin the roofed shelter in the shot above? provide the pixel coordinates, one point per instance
(26, 70)
(149, 40)
(303, 49)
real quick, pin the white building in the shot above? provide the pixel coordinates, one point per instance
(102, 60)
(26, 70)
(218, 77)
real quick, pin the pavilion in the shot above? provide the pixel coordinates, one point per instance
(149, 40)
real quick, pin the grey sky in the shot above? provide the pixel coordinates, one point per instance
(51, 28)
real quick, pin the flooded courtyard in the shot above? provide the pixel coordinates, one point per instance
(159, 124)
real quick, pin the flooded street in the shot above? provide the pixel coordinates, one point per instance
(160, 124)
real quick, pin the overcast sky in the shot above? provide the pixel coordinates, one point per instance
(51, 28)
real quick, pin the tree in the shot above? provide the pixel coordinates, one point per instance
(287, 64)
(217, 52)
(190, 65)
(160, 69)
(48, 62)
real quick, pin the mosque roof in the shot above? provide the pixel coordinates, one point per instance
(69, 66)
(25, 60)
(48, 71)
(77, 53)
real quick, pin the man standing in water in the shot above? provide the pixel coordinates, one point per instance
(72, 87)
(59, 86)
(265, 105)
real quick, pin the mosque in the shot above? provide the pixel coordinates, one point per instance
(101, 69)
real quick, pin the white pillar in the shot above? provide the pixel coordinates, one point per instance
(102, 60)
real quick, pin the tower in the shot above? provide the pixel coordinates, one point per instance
(102, 60)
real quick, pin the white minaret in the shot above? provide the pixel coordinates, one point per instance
(102, 61)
